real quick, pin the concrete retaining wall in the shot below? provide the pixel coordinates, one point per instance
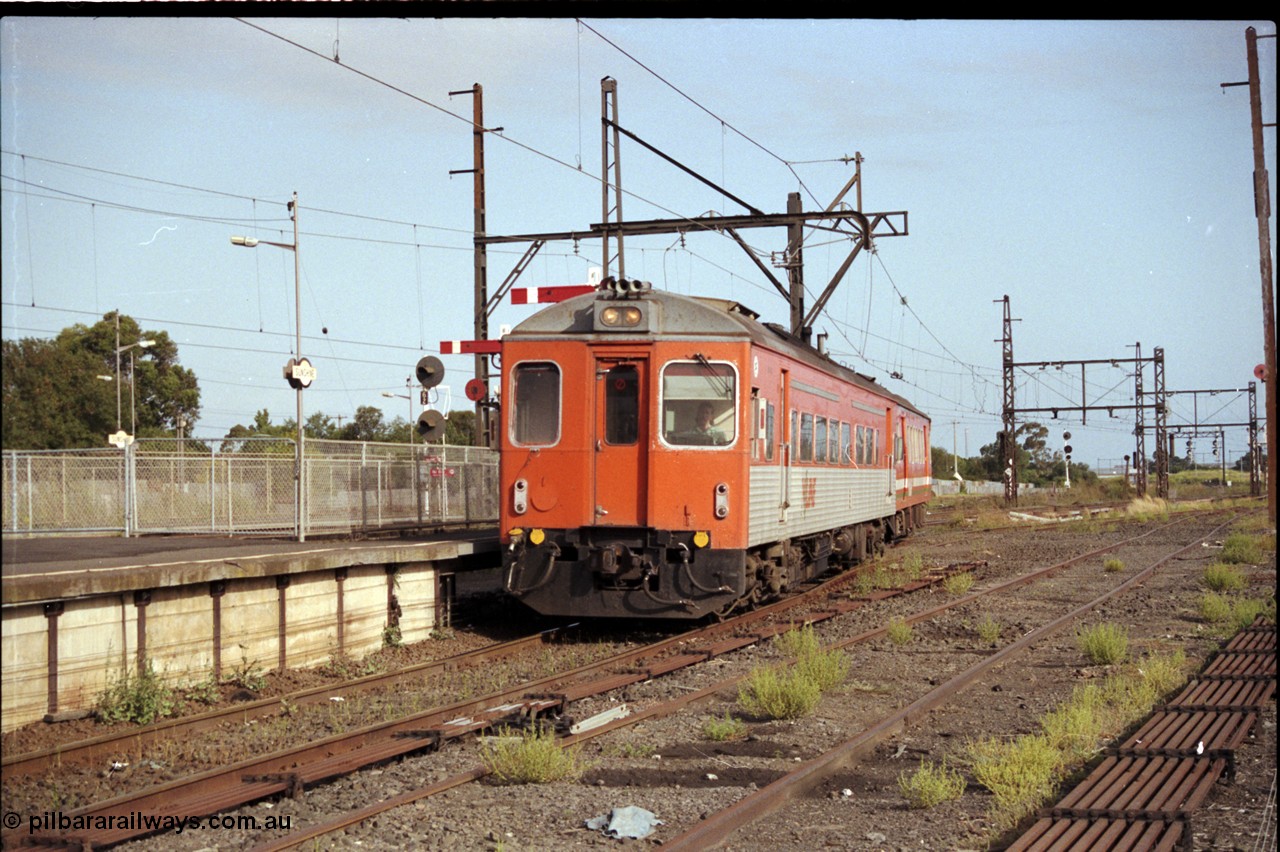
(286, 614)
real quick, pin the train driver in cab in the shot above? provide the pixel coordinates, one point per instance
(703, 427)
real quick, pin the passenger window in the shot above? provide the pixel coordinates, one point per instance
(621, 404)
(806, 437)
(820, 439)
(846, 443)
(536, 415)
(768, 431)
(699, 403)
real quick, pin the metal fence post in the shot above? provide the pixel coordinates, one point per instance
(213, 492)
(124, 483)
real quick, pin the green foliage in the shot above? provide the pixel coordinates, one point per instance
(1215, 608)
(53, 399)
(1113, 566)
(205, 691)
(775, 692)
(1242, 548)
(724, 729)
(913, 567)
(931, 785)
(799, 641)
(1245, 610)
(899, 632)
(533, 757)
(1164, 674)
(1020, 774)
(1023, 773)
(247, 675)
(958, 584)
(827, 669)
(631, 750)
(1075, 728)
(1229, 613)
(1104, 644)
(989, 630)
(1220, 577)
(140, 699)
(1148, 509)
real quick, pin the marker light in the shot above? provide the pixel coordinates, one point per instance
(537, 536)
(701, 538)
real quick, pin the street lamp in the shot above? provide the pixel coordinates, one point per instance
(120, 350)
(253, 242)
(407, 384)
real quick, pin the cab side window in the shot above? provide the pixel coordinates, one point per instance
(699, 403)
(535, 420)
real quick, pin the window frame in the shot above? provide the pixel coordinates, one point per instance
(734, 404)
(514, 423)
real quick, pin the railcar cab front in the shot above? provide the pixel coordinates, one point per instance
(623, 451)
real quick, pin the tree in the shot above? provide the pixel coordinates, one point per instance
(53, 398)
(367, 425)
(460, 428)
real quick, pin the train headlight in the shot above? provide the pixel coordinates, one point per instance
(621, 316)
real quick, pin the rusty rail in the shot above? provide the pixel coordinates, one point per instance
(291, 771)
(133, 741)
(865, 741)
(720, 826)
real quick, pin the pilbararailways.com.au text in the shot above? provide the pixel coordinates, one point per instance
(149, 822)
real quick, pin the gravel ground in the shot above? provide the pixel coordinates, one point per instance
(668, 767)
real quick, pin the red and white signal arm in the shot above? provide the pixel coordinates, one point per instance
(470, 347)
(543, 295)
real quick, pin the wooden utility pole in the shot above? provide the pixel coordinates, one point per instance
(1262, 209)
(1262, 206)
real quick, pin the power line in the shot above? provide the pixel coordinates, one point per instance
(695, 102)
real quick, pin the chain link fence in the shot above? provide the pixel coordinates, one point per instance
(247, 486)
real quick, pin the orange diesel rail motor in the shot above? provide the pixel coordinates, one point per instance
(672, 457)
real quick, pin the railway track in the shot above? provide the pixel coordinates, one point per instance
(756, 804)
(133, 744)
(291, 771)
(421, 728)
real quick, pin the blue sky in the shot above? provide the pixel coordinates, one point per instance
(1095, 172)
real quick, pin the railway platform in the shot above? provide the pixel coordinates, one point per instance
(81, 612)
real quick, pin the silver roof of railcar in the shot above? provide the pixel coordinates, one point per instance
(688, 316)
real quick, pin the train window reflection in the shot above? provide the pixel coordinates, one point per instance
(699, 403)
(806, 437)
(536, 412)
(622, 404)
